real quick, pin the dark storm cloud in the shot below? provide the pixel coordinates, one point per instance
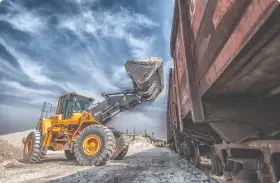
(51, 47)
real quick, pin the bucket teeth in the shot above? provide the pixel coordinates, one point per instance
(147, 76)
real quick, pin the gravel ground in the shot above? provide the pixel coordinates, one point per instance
(152, 165)
(143, 163)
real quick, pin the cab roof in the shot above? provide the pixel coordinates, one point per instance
(75, 94)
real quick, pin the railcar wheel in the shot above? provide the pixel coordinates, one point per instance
(192, 153)
(216, 165)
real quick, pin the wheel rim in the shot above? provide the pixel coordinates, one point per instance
(91, 145)
(194, 157)
(28, 146)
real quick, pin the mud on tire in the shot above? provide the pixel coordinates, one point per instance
(105, 151)
(33, 151)
(122, 143)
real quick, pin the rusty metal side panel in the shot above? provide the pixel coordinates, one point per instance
(176, 96)
(182, 71)
(197, 9)
(172, 118)
(174, 113)
(208, 35)
(172, 96)
(176, 107)
(169, 106)
(225, 32)
(192, 81)
(173, 102)
(220, 19)
(187, 81)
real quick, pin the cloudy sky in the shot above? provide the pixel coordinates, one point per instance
(48, 48)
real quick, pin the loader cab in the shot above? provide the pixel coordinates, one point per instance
(72, 103)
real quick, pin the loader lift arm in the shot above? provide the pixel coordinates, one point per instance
(147, 78)
(115, 103)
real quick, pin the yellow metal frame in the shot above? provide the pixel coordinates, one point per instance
(56, 126)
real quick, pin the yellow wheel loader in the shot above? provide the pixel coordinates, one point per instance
(79, 125)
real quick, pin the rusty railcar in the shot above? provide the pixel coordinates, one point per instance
(224, 89)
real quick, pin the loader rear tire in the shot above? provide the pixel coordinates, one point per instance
(69, 155)
(33, 151)
(122, 144)
(122, 154)
(94, 145)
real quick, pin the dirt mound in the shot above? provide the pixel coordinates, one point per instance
(7, 151)
(141, 144)
(141, 138)
(15, 139)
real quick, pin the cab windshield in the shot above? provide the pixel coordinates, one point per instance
(73, 105)
(80, 103)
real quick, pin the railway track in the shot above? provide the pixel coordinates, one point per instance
(205, 168)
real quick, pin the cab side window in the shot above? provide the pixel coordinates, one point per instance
(62, 106)
(69, 109)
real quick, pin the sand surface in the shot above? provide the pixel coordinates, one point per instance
(143, 163)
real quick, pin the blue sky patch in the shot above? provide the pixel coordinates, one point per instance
(48, 48)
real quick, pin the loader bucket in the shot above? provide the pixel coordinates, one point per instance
(147, 76)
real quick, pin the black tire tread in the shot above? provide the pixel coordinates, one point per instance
(37, 154)
(124, 145)
(106, 150)
(122, 154)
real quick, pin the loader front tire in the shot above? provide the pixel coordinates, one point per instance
(69, 155)
(33, 151)
(94, 145)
